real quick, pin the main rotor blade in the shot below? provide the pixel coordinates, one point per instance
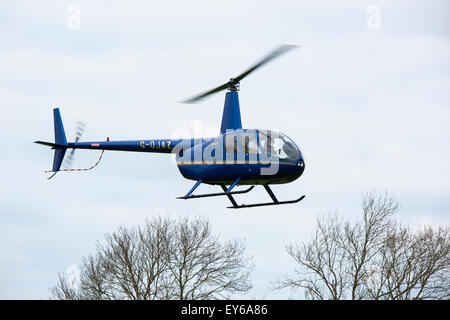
(234, 81)
(207, 93)
(277, 52)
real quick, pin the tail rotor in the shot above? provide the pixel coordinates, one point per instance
(81, 126)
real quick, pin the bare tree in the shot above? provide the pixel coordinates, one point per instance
(166, 259)
(375, 258)
(202, 267)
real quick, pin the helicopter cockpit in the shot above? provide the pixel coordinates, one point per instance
(266, 143)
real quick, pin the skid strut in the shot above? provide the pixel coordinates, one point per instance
(227, 192)
(230, 197)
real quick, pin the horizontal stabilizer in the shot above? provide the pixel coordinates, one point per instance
(50, 144)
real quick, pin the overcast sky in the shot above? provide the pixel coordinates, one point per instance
(366, 98)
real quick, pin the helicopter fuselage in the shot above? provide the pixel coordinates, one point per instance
(255, 156)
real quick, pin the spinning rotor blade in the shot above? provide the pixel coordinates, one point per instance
(80, 129)
(233, 84)
(277, 52)
(207, 93)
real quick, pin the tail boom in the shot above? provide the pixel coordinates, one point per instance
(156, 145)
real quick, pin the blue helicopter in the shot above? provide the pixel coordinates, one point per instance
(236, 157)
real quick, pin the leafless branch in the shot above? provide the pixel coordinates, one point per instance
(372, 259)
(166, 259)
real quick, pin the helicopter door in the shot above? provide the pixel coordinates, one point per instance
(250, 146)
(241, 147)
(231, 147)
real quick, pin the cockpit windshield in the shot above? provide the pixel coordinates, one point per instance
(276, 144)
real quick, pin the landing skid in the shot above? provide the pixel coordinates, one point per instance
(266, 203)
(227, 192)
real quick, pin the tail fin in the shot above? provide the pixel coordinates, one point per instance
(60, 135)
(60, 139)
(60, 144)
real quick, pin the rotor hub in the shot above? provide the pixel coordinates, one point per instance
(233, 85)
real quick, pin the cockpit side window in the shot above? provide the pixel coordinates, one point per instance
(278, 145)
(265, 143)
(245, 142)
(231, 142)
(250, 142)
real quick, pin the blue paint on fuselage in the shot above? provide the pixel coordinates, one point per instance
(249, 173)
(209, 160)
